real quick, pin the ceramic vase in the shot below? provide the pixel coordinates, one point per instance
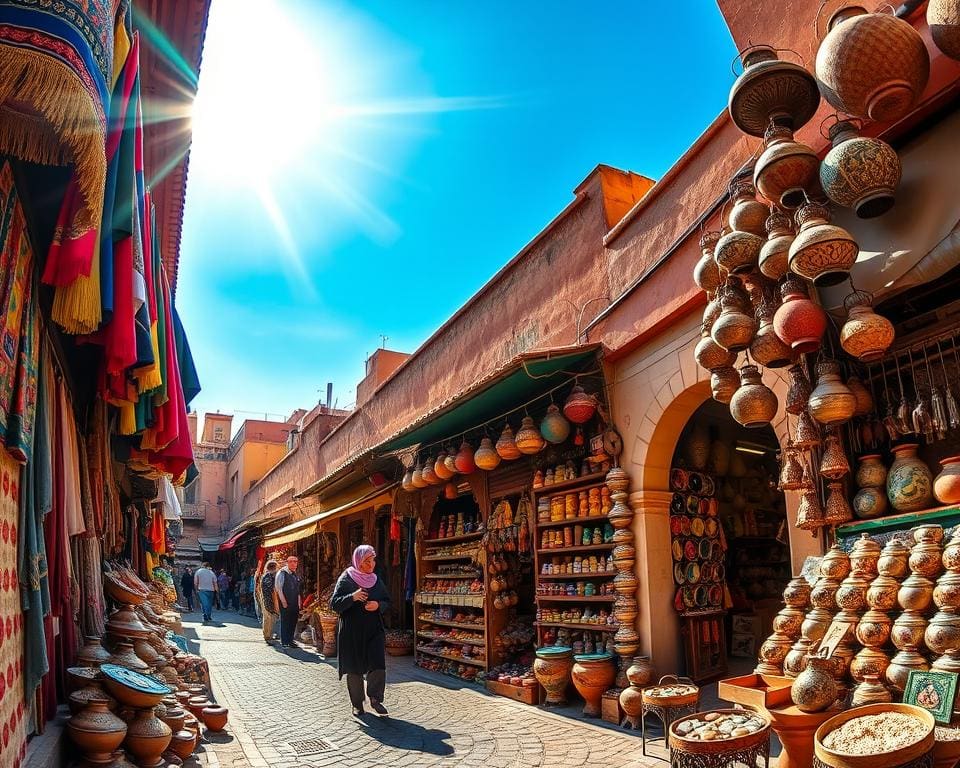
(554, 427)
(894, 559)
(943, 631)
(592, 674)
(814, 689)
(915, 593)
(859, 172)
(799, 322)
(147, 739)
(776, 251)
(552, 668)
(871, 472)
(787, 169)
(579, 407)
(909, 481)
(821, 252)
(946, 485)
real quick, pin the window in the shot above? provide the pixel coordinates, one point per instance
(190, 493)
(218, 434)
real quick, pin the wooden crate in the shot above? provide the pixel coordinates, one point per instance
(610, 707)
(526, 694)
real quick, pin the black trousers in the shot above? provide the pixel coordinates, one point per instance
(288, 624)
(376, 683)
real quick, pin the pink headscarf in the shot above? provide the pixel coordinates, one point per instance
(361, 579)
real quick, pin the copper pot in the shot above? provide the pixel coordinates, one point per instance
(724, 383)
(708, 354)
(766, 347)
(735, 327)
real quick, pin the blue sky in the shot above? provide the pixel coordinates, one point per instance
(361, 169)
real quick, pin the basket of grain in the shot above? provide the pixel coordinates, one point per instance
(890, 735)
(720, 730)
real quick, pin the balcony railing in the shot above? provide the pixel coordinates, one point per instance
(195, 511)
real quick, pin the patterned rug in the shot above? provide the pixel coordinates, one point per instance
(12, 707)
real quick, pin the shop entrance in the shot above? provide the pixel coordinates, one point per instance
(730, 543)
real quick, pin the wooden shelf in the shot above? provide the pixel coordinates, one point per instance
(440, 558)
(476, 599)
(449, 657)
(576, 576)
(594, 627)
(454, 641)
(453, 539)
(574, 521)
(470, 576)
(457, 624)
(577, 598)
(581, 548)
(595, 478)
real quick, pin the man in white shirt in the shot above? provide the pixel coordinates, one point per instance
(205, 582)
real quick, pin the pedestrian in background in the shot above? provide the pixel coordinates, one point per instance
(205, 583)
(268, 601)
(360, 600)
(287, 589)
(186, 587)
(223, 582)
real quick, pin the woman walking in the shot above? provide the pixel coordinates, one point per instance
(360, 600)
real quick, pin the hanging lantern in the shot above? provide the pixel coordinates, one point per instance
(737, 252)
(407, 482)
(706, 273)
(486, 458)
(507, 446)
(860, 172)
(528, 438)
(428, 474)
(866, 335)
(799, 322)
(736, 326)
(821, 252)
(450, 491)
(771, 90)
(754, 404)
(712, 311)
(554, 428)
(871, 65)
(578, 437)
(798, 393)
(831, 402)
(837, 511)
(747, 214)
(810, 513)
(834, 464)
(787, 169)
(579, 407)
(417, 478)
(464, 461)
(724, 382)
(440, 467)
(766, 347)
(806, 435)
(451, 462)
(791, 476)
(776, 251)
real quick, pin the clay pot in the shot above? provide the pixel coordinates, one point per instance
(579, 406)
(197, 704)
(747, 216)
(770, 89)
(640, 672)
(774, 650)
(507, 446)
(182, 743)
(864, 556)
(823, 594)
(125, 656)
(821, 252)
(593, 674)
(775, 253)
(915, 593)
(799, 322)
(96, 730)
(724, 382)
(175, 717)
(814, 689)
(93, 654)
(631, 702)
(485, 457)
(865, 335)
(796, 659)
(831, 402)
(951, 553)
(871, 65)
(214, 717)
(871, 691)
(124, 624)
(529, 440)
(788, 621)
(754, 404)
(147, 654)
(943, 18)
(554, 427)
(873, 629)
(908, 630)
(946, 486)
(816, 623)
(943, 631)
(736, 326)
(440, 468)
(930, 532)
(869, 503)
(834, 464)
(147, 738)
(868, 661)
(464, 460)
(786, 169)
(416, 477)
(851, 595)
(894, 559)
(797, 593)
(835, 565)
(900, 667)
(882, 593)
(766, 348)
(871, 472)
(859, 172)
(552, 669)
(706, 273)
(842, 659)
(926, 559)
(427, 474)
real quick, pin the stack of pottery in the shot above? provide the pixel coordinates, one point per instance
(639, 673)
(796, 597)
(943, 631)
(873, 625)
(874, 628)
(626, 641)
(781, 646)
(147, 737)
(871, 498)
(834, 567)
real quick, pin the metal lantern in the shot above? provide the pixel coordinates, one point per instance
(554, 427)
(754, 404)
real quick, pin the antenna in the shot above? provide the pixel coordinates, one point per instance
(329, 393)
(383, 341)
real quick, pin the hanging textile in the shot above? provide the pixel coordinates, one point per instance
(89, 569)
(188, 371)
(20, 421)
(12, 709)
(56, 63)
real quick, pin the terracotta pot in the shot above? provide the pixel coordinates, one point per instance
(926, 559)
(427, 475)
(215, 717)
(147, 738)
(871, 691)
(835, 565)
(796, 659)
(842, 660)
(943, 631)
(147, 654)
(788, 621)
(900, 667)
(909, 482)
(797, 593)
(894, 559)
(816, 623)
(182, 743)
(787, 169)
(814, 689)
(951, 553)
(869, 661)
(593, 674)
(579, 407)
(946, 486)
(821, 252)
(859, 172)
(871, 65)
(754, 404)
(873, 629)
(95, 730)
(766, 348)
(724, 383)
(823, 594)
(851, 595)
(485, 457)
(640, 672)
(197, 704)
(93, 654)
(799, 322)
(175, 717)
(908, 630)
(416, 477)
(943, 18)
(882, 593)
(706, 273)
(552, 668)
(871, 472)
(915, 593)
(747, 216)
(125, 624)
(770, 89)
(866, 335)
(631, 702)
(440, 467)
(736, 326)
(831, 402)
(464, 459)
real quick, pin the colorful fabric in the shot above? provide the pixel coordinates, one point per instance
(20, 421)
(361, 579)
(12, 709)
(56, 64)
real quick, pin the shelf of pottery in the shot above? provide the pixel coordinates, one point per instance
(886, 610)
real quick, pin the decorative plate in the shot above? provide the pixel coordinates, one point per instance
(690, 549)
(689, 600)
(704, 549)
(676, 524)
(696, 526)
(709, 487)
(713, 509)
(678, 600)
(712, 527)
(135, 680)
(693, 505)
(695, 482)
(685, 526)
(679, 574)
(678, 479)
(678, 504)
(703, 507)
(677, 549)
(720, 571)
(715, 595)
(706, 571)
(693, 573)
(700, 596)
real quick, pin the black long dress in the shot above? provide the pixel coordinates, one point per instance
(361, 637)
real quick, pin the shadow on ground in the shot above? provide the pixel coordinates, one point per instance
(403, 734)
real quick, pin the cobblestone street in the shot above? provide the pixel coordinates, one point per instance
(289, 710)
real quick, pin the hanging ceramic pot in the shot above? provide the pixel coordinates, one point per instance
(440, 467)
(710, 355)
(909, 481)
(579, 406)
(754, 404)
(736, 326)
(737, 252)
(863, 396)
(799, 322)
(831, 402)
(485, 457)
(706, 272)
(787, 170)
(451, 461)
(407, 482)
(806, 435)
(798, 393)
(833, 464)
(464, 461)
(821, 252)
(428, 474)
(791, 476)
(866, 335)
(554, 427)
(837, 511)
(771, 90)
(507, 446)
(529, 440)
(416, 478)
(724, 382)
(859, 172)
(775, 253)
(766, 347)
(711, 312)
(747, 215)
(946, 486)
(871, 65)
(943, 18)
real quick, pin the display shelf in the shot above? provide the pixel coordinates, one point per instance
(580, 548)
(594, 478)
(463, 680)
(457, 624)
(453, 641)
(441, 558)
(452, 539)
(450, 657)
(574, 521)
(578, 598)
(457, 601)
(944, 516)
(576, 576)
(594, 627)
(470, 576)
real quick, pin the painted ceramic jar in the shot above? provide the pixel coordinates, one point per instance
(909, 482)
(865, 335)
(868, 661)
(775, 649)
(823, 594)
(871, 471)
(946, 594)
(797, 593)
(96, 731)
(815, 624)
(814, 689)
(926, 559)
(552, 668)
(774, 252)
(869, 503)
(859, 172)
(593, 674)
(835, 565)
(873, 630)
(796, 659)
(831, 402)
(900, 667)
(871, 691)
(908, 630)
(786, 169)
(864, 556)
(943, 631)
(754, 404)
(946, 486)
(821, 252)
(951, 553)
(798, 321)
(894, 559)
(882, 593)
(738, 252)
(915, 593)
(851, 595)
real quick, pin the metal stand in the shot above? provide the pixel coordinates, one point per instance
(744, 756)
(666, 716)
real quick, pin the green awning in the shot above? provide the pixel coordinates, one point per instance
(521, 380)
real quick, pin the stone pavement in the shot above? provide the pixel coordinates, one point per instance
(289, 710)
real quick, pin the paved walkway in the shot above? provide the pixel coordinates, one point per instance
(289, 710)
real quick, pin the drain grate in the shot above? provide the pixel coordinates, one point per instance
(312, 746)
